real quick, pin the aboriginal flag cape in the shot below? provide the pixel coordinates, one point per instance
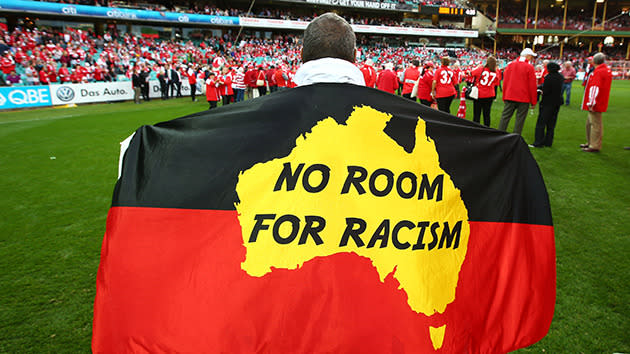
(330, 218)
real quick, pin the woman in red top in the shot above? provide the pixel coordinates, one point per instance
(212, 91)
(425, 83)
(486, 78)
(443, 88)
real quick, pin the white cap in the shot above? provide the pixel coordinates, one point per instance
(528, 51)
(389, 66)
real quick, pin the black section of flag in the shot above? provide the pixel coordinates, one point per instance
(193, 162)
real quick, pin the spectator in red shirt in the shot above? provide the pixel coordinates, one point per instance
(212, 90)
(225, 88)
(443, 88)
(99, 74)
(250, 81)
(192, 81)
(7, 63)
(369, 74)
(410, 77)
(271, 81)
(43, 77)
(568, 72)
(387, 79)
(486, 78)
(281, 78)
(64, 74)
(519, 90)
(52, 75)
(596, 95)
(425, 84)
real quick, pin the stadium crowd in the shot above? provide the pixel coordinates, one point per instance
(295, 13)
(552, 18)
(196, 9)
(32, 56)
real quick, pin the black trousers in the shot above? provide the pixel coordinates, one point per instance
(144, 90)
(408, 96)
(262, 90)
(227, 99)
(482, 105)
(193, 92)
(176, 86)
(425, 102)
(213, 104)
(163, 90)
(545, 125)
(444, 103)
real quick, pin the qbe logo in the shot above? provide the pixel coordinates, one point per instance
(65, 93)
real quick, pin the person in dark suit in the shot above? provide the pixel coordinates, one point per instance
(161, 76)
(144, 89)
(549, 106)
(136, 84)
(176, 82)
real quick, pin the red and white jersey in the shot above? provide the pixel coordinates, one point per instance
(445, 81)
(597, 91)
(8, 64)
(369, 75)
(424, 85)
(226, 87)
(212, 90)
(486, 80)
(410, 77)
(192, 77)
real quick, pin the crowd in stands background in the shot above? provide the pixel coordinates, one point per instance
(275, 13)
(513, 15)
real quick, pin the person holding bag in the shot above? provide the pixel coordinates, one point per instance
(486, 78)
(261, 84)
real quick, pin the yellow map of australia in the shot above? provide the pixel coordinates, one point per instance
(352, 189)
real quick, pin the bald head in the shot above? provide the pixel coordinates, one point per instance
(328, 36)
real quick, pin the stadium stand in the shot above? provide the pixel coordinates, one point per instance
(35, 55)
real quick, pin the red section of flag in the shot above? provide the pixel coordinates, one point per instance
(170, 280)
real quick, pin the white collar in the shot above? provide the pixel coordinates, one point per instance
(328, 70)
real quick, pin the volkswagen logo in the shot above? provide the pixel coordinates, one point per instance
(65, 93)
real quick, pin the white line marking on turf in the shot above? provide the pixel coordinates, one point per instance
(40, 119)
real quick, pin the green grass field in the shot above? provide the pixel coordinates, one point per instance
(58, 167)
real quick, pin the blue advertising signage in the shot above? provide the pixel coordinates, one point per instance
(23, 97)
(114, 13)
